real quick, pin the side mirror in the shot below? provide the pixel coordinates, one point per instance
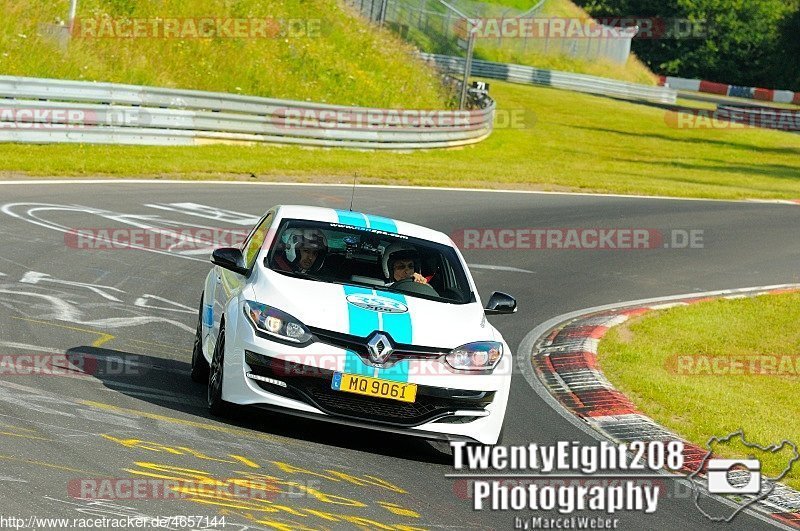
(230, 258)
(499, 303)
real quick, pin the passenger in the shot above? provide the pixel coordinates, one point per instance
(304, 251)
(401, 262)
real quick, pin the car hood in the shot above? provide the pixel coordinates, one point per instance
(360, 311)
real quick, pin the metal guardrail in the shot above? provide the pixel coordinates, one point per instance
(553, 78)
(52, 110)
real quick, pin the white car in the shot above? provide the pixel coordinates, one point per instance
(355, 319)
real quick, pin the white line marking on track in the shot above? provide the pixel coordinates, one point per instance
(34, 277)
(10, 479)
(26, 346)
(208, 212)
(175, 306)
(31, 216)
(379, 186)
(67, 311)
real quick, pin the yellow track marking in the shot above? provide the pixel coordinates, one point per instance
(44, 464)
(195, 424)
(6, 425)
(24, 436)
(104, 337)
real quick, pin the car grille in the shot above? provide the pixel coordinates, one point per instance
(313, 386)
(358, 345)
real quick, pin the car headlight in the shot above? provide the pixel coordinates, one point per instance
(275, 322)
(478, 356)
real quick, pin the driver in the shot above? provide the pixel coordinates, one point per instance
(304, 250)
(401, 262)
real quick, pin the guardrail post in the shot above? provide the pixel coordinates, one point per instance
(73, 9)
(384, 4)
(467, 65)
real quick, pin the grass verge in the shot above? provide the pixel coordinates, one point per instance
(695, 369)
(314, 50)
(568, 142)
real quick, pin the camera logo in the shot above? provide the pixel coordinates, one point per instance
(739, 482)
(722, 477)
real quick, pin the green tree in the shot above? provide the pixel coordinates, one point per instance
(743, 42)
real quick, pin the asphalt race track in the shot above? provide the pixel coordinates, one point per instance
(150, 421)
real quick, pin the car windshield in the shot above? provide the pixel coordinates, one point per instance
(332, 252)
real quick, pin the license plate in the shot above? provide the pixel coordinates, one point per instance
(364, 385)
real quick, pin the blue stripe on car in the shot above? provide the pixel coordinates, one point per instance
(381, 223)
(354, 219)
(398, 326)
(362, 323)
(208, 315)
(366, 221)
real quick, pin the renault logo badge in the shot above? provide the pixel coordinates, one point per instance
(380, 348)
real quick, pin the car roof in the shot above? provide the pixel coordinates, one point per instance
(363, 220)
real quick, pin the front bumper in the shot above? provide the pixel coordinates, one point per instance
(297, 380)
(312, 385)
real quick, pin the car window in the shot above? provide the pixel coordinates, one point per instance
(349, 255)
(255, 240)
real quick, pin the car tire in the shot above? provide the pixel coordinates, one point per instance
(216, 405)
(200, 366)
